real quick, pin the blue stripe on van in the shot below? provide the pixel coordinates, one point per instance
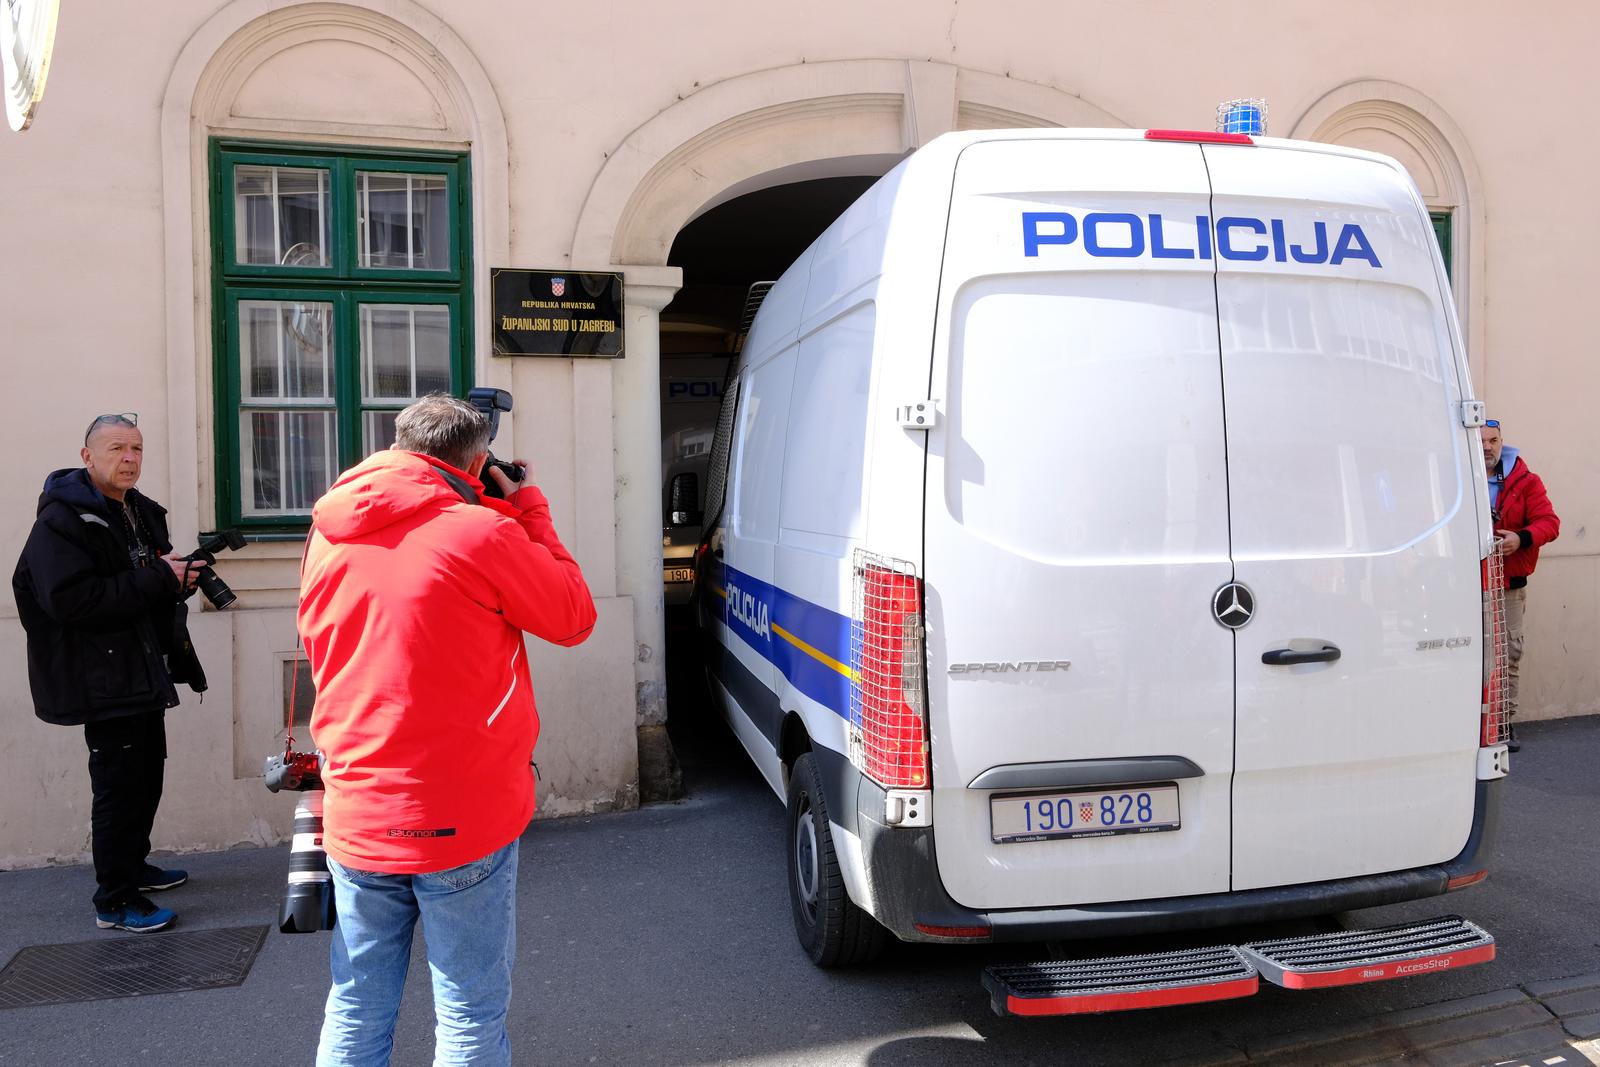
(808, 643)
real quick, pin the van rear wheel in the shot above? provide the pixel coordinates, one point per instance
(832, 930)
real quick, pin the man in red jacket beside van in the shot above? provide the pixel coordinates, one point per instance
(414, 598)
(1524, 521)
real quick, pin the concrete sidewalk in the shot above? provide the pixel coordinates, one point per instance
(663, 936)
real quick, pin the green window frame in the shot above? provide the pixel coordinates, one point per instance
(1441, 231)
(341, 285)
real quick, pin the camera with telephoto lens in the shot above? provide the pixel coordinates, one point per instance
(308, 898)
(209, 582)
(492, 402)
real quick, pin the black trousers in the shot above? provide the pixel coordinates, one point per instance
(127, 761)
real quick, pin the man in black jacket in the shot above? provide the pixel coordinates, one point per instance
(101, 598)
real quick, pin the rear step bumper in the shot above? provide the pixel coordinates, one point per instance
(1121, 983)
(1225, 972)
(1355, 956)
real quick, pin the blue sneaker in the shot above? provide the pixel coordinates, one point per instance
(157, 879)
(138, 915)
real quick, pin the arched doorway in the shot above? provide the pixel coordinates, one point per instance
(726, 140)
(725, 252)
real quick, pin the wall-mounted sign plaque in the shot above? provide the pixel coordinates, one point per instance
(556, 313)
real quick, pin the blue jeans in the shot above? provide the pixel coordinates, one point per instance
(468, 916)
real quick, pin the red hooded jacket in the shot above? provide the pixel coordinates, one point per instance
(1524, 506)
(413, 604)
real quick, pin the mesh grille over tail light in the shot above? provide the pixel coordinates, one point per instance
(1496, 727)
(888, 702)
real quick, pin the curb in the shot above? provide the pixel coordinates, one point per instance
(1544, 1024)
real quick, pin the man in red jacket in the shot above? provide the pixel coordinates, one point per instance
(415, 595)
(1524, 521)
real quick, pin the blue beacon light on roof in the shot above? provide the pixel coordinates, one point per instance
(1247, 115)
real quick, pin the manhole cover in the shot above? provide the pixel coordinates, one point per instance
(134, 966)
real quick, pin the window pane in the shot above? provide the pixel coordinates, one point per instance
(386, 352)
(377, 430)
(287, 460)
(259, 329)
(405, 351)
(280, 216)
(431, 328)
(299, 692)
(286, 350)
(404, 221)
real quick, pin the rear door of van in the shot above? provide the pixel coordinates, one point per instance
(1353, 520)
(1077, 527)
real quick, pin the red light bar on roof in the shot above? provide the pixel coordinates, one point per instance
(1198, 136)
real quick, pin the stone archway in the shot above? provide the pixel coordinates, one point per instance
(740, 134)
(744, 127)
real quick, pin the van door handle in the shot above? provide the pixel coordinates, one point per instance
(1281, 657)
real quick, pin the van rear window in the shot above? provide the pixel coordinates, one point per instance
(1340, 429)
(1086, 415)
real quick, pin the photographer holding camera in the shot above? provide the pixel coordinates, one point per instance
(101, 598)
(416, 591)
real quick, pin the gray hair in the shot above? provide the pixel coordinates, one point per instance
(443, 427)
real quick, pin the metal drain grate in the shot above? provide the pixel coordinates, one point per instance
(135, 966)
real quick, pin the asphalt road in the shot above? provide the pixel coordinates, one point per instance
(663, 936)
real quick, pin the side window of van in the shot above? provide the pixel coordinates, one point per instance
(717, 466)
(824, 457)
(761, 429)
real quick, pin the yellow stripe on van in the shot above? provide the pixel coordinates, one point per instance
(815, 653)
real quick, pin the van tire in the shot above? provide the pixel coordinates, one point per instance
(832, 929)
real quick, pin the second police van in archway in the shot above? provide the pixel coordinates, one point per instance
(1096, 525)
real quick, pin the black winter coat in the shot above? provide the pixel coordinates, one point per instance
(105, 638)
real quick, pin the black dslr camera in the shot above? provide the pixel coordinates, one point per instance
(294, 771)
(308, 898)
(210, 583)
(492, 402)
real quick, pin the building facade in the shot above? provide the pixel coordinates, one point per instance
(265, 225)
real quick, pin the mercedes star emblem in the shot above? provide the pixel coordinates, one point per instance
(1233, 605)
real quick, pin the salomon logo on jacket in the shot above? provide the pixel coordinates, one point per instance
(1123, 235)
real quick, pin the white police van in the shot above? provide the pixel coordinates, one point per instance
(1095, 535)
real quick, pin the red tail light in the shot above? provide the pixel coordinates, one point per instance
(1496, 728)
(887, 696)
